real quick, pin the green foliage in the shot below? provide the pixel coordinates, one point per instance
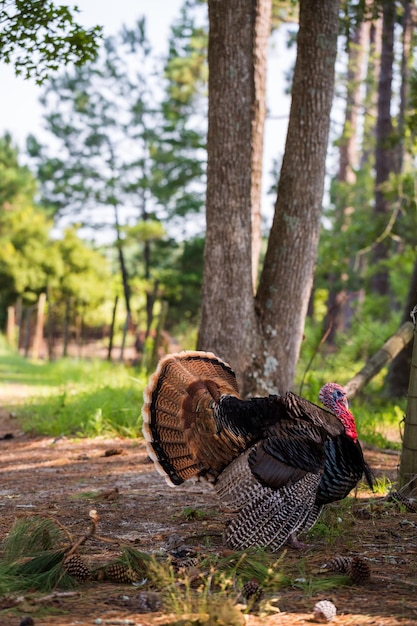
(213, 594)
(31, 260)
(41, 573)
(189, 513)
(89, 410)
(85, 280)
(181, 277)
(39, 37)
(378, 419)
(334, 521)
(284, 11)
(28, 257)
(33, 554)
(17, 182)
(312, 585)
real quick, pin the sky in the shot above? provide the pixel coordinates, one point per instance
(21, 114)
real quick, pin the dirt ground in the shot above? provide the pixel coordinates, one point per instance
(64, 479)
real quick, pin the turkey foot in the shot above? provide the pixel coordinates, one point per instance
(295, 543)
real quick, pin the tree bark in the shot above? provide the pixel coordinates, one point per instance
(373, 30)
(288, 270)
(11, 326)
(228, 318)
(66, 333)
(112, 326)
(40, 320)
(408, 464)
(262, 29)
(398, 376)
(384, 150)
(338, 298)
(406, 65)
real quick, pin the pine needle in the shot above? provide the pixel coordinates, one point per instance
(34, 553)
(31, 537)
(42, 573)
(139, 561)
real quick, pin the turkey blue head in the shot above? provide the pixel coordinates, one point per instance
(333, 397)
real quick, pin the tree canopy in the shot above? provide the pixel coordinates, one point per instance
(37, 38)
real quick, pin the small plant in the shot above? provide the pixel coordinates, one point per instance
(333, 522)
(382, 485)
(190, 513)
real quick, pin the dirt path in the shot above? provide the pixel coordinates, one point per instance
(64, 479)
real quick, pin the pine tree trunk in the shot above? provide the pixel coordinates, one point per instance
(384, 150)
(408, 465)
(338, 298)
(398, 376)
(40, 320)
(406, 64)
(262, 29)
(112, 325)
(50, 328)
(228, 321)
(11, 326)
(27, 329)
(373, 30)
(66, 337)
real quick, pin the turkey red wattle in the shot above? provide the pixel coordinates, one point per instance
(348, 422)
(333, 397)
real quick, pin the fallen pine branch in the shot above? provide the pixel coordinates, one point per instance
(389, 350)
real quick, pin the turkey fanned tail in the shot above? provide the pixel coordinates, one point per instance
(194, 422)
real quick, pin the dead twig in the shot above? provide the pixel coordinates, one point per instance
(91, 531)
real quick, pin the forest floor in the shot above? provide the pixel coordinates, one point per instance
(63, 479)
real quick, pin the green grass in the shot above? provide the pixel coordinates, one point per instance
(75, 397)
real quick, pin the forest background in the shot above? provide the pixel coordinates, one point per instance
(127, 155)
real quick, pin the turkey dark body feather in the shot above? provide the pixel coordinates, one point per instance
(274, 461)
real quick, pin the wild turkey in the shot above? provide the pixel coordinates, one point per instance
(275, 461)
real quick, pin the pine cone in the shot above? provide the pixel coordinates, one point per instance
(251, 588)
(356, 567)
(339, 564)
(252, 591)
(324, 611)
(120, 573)
(186, 563)
(359, 570)
(76, 567)
(409, 503)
